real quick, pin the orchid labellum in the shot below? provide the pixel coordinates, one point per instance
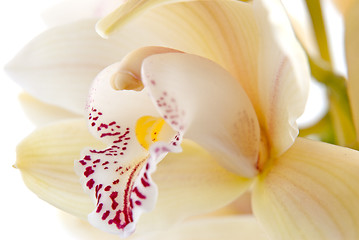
(200, 107)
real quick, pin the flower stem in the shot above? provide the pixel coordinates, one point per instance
(315, 12)
(339, 113)
(322, 130)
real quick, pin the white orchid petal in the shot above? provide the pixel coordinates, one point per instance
(200, 99)
(118, 178)
(45, 159)
(59, 65)
(41, 113)
(310, 193)
(70, 11)
(283, 75)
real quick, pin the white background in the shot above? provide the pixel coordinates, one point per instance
(23, 215)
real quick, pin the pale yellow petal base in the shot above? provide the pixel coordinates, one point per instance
(311, 192)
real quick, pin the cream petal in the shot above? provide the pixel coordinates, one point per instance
(352, 57)
(223, 31)
(283, 76)
(204, 102)
(302, 25)
(310, 192)
(41, 113)
(68, 11)
(125, 12)
(59, 65)
(190, 183)
(45, 159)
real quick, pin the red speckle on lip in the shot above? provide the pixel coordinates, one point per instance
(90, 183)
(144, 183)
(83, 163)
(102, 125)
(105, 215)
(88, 171)
(97, 189)
(113, 197)
(99, 208)
(140, 195)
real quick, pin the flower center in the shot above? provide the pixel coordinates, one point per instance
(148, 130)
(126, 81)
(264, 153)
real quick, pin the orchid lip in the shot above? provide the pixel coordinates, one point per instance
(118, 177)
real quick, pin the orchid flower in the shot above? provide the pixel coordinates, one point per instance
(56, 70)
(249, 130)
(221, 100)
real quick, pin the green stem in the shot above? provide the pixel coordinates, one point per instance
(339, 113)
(339, 108)
(322, 130)
(315, 12)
